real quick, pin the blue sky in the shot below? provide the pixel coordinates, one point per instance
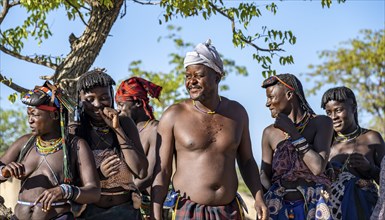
(134, 37)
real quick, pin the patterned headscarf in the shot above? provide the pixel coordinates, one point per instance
(41, 98)
(136, 88)
(206, 54)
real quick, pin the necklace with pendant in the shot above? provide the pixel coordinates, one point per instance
(208, 112)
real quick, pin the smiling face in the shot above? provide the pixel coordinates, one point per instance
(277, 100)
(95, 100)
(201, 81)
(342, 114)
(42, 122)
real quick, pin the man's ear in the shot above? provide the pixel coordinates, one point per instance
(55, 115)
(138, 103)
(218, 78)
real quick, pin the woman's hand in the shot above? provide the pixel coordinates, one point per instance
(110, 117)
(284, 123)
(359, 162)
(48, 197)
(13, 169)
(110, 165)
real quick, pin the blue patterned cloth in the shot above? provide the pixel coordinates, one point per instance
(313, 206)
(353, 198)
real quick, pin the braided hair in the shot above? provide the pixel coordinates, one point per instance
(340, 94)
(291, 82)
(87, 81)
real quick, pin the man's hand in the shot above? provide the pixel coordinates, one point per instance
(262, 211)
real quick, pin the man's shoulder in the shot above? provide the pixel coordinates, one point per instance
(232, 105)
(177, 107)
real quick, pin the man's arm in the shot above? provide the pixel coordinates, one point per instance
(249, 169)
(154, 143)
(163, 165)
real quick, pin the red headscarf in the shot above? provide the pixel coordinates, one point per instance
(136, 88)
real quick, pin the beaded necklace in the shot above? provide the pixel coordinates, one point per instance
(104, 129)
(48, 147)
(145, 125)
(101, 138)
(342, 138)
(301, 125)
(208, 112)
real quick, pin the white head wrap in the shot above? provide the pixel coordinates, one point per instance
(206, 54)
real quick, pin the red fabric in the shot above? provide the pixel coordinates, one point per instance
(47, 108)
(136, 88)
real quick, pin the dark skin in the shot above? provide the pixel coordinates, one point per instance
(206, 147)
(39, 184)
(98, 106)
(285, 108)
(148, 136)
(365, 152)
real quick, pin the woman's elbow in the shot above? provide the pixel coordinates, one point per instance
(142, 173)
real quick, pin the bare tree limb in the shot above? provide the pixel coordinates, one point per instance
(146, 3)
(28, 59)
(12, 85)
(6, 6)
(249, 42)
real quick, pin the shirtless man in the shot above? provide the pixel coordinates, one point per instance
(132, 100)
(41, 160)
(207, 134)
(355, 157)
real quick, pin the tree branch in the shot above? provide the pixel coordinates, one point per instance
(29, 59)
(146, 3)
(79, 13)
(6, 7)
(233, 28)
(12, 85)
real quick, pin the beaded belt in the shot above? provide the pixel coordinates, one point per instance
(39, 204)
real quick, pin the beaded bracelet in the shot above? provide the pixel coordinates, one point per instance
(299, 141)
(66, 190)
(303, 149)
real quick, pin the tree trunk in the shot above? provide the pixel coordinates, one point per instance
(86, 48)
